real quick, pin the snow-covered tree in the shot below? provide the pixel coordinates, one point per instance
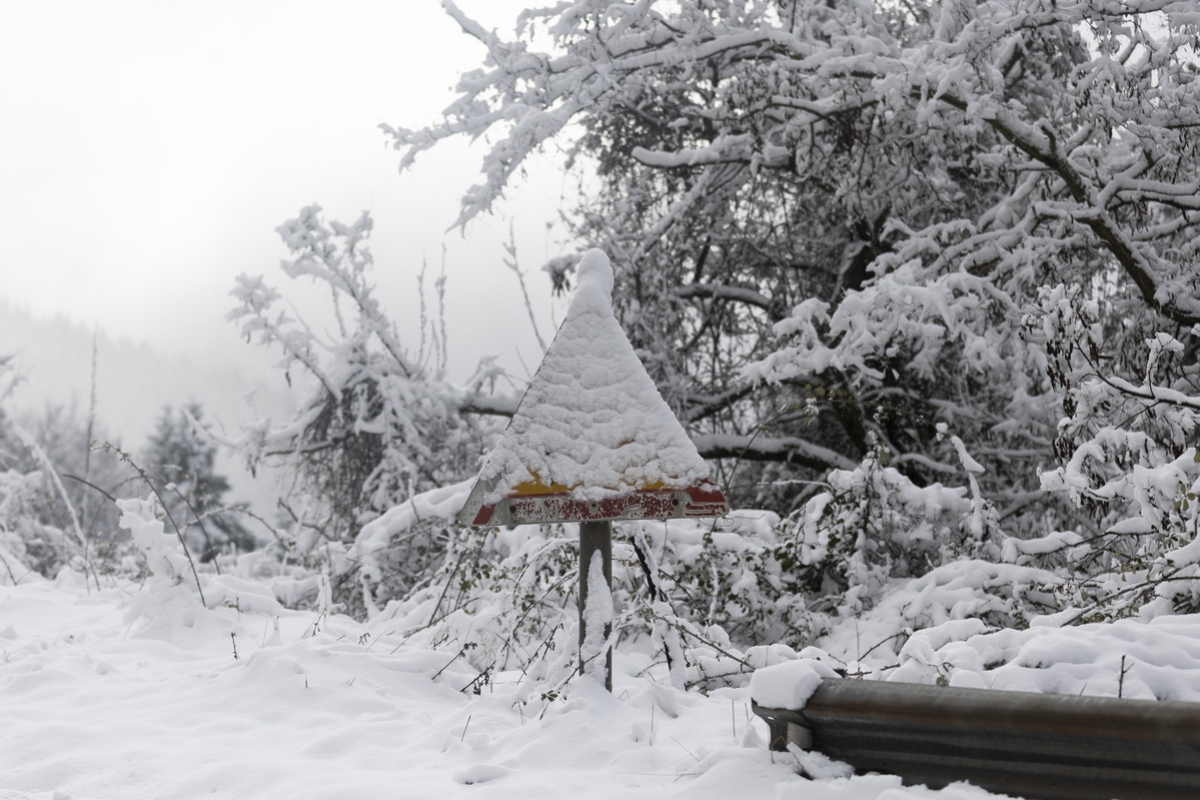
(181, 464)
(56, 485)
(380, 422)
(913, 235)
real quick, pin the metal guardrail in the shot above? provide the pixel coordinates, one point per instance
(1049, 747)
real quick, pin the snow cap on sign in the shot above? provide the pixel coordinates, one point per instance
(592, 423)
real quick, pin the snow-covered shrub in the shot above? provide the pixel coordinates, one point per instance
(1127, 458)
(1148, 660)
(164, 553)
(57, 489)
(25, 544)
(507, 597)
(872, 525)
(175, 585)
(380, 423)
(713, 598)
(40, 526)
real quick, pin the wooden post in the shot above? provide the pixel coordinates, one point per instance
(594, 536)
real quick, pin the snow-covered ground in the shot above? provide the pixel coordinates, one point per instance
(94, 704)
(140, 690)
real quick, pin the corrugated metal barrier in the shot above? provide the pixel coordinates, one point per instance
(1022, 744)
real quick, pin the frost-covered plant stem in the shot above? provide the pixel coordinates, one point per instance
(511, 262)
(660, 608)
(163, 504)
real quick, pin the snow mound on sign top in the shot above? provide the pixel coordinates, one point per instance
(592, 421)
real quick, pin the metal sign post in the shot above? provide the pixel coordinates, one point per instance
(595, 529)
(592, 441)
(594, 537)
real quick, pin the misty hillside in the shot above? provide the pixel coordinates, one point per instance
(134, 382)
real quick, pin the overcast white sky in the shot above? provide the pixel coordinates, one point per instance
(150, 148)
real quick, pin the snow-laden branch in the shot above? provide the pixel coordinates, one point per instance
(737, 293)
(763, 448)
(604, 61)
(488, 405)
(711, 446)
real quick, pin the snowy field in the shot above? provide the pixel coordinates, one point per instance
(94, 704)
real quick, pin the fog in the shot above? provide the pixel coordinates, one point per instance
(150, 150)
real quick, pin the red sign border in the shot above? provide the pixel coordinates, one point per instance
(701, 500)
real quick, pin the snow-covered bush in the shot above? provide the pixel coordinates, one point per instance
(507, 597)
(164, 553)
(1128, 456)
(174, 585)
(25, 545)
(41, 528)
(380, 424)
(714, 599)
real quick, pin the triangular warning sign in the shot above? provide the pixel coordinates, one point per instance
(592, 438)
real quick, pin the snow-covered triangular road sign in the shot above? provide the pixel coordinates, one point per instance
(592, 439)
